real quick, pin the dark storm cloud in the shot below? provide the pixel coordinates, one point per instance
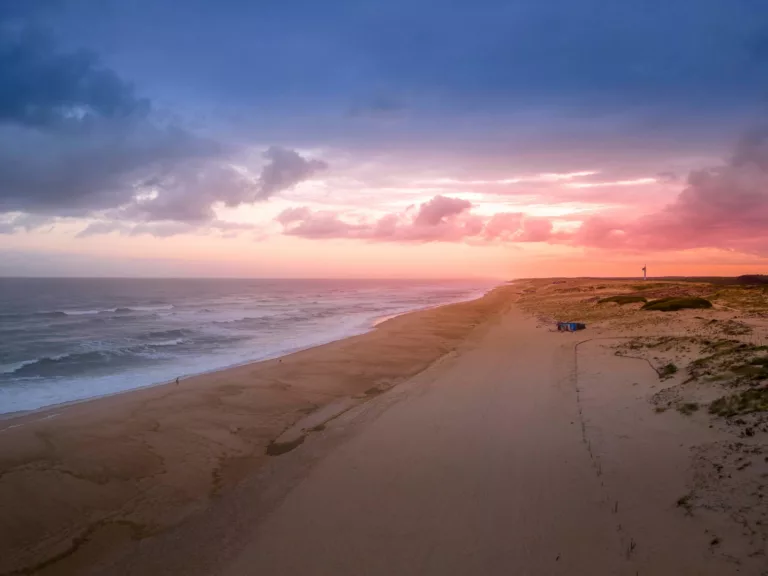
(74, 137)
(586, 82)
(548, 82)
(188, 193)
(76, 140)
(592, 54)
(20, 222)
(65, 174)
(44, 88)
(285, 168)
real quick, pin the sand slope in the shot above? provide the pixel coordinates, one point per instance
(471, 439)
(484, 468)
(82, 485)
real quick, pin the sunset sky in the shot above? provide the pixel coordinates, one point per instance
(380, 138)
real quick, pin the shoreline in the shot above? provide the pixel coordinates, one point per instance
(471, 427)
(145, 461)
(372, 325)
(542, 452)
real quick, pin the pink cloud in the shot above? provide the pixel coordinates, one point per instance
(440, 208)
(503, 226)
(634, 182)
(724, 208)
(535, 230)
(531, 178)
(293, 215)
(319, 225)
(626, 192)
(441, 219)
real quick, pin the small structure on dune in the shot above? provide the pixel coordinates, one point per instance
(645, 272)
(570, 326)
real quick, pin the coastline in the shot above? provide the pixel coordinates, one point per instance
(471, 438)
(543, 452)
(370, 325)
(142, 461)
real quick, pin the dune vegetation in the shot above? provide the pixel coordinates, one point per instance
(745, 402)
(623, 299)
(674, 303)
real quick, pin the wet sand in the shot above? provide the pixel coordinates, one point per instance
(468, 439)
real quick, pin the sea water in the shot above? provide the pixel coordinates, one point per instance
(70, 339)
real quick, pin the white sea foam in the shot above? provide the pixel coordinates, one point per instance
(59, 358)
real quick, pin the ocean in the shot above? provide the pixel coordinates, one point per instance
(70, 339)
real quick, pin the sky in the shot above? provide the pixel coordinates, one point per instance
(383, 138)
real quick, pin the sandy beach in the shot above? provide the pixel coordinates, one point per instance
(467, 439)
(108, 473)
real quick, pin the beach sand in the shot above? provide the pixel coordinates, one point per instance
(110, 472)
(467, 439)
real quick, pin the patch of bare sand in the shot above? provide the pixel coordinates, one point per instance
(533, 455)
(80, 484)
(655, 467)
(480, 469)
(675, 409)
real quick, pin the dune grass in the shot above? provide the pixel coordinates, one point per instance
(730, 362)
(622, 299)
(673, 304)
(754, 370)
(743, 297)
(667, 371)
(650, 286)
(688, 408)
(753, 400)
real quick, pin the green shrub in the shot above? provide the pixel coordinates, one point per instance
(684, 502)
(672, 304)
(688, 408)
(667, 371)
(753, 370)
(623, 299)
(649, 286)
(753, 400)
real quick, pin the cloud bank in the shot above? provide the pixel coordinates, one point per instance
(725, 207)
(441, 219)
(76, 141)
